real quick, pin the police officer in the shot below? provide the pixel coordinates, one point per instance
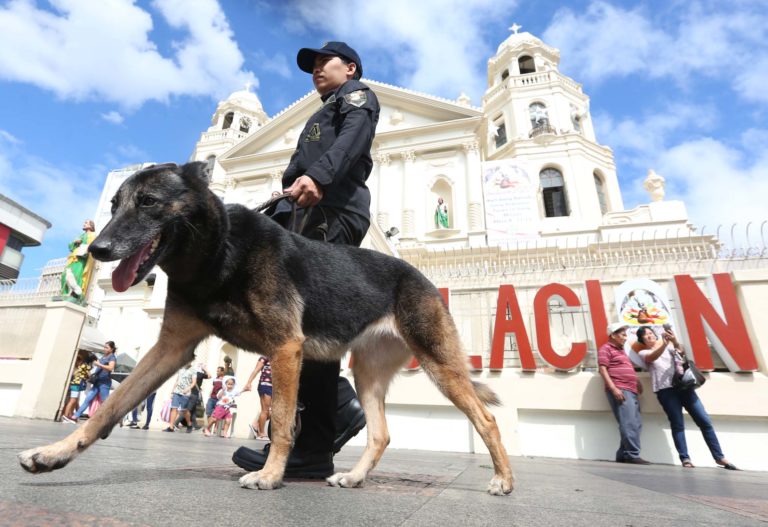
(326, 177)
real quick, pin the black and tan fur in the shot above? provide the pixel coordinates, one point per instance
(236, 274)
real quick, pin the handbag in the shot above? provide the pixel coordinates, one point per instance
(165, 411)
(690, 379)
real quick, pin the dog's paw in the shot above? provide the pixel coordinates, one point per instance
(44, 459)
(347, 480)
(260, 481)
(500, 486)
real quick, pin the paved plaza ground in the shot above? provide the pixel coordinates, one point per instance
(141, 477)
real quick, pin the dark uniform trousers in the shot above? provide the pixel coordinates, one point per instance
(318, 382)
(334, 150)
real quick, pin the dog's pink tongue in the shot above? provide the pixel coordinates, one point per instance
(125, 273)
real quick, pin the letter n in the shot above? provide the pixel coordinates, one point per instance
(721, 322)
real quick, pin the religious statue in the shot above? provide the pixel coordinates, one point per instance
(77, 270)
(441, 214)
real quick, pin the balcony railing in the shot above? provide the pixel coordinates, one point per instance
(542, 129)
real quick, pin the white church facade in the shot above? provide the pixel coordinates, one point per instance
(533, 261)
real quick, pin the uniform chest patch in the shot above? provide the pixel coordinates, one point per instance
(314, 133)
(356, 98)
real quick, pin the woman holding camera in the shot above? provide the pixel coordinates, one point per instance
(663, 358)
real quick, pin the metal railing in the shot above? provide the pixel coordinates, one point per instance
(722, 249)
(30, 290)
(542, 129)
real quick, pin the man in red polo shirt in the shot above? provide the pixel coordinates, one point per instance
(622, 389)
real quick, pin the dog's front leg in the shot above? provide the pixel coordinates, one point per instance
(286, 365)
(175, 347)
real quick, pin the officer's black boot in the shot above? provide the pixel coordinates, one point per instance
(312, 455)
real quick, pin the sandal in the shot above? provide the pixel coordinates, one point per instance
(727, 465)
(687, 464)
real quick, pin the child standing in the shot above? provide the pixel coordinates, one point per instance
(226, 399)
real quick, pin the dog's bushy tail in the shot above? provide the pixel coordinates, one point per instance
(485, 394)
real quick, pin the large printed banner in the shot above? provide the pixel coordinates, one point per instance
(511, 211)
(641, 302)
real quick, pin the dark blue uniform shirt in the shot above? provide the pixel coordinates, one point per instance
(334, 149)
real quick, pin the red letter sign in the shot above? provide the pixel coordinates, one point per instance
(475, 361)
(514, 324)
(722, 323)
(543, 337)
(597, 312)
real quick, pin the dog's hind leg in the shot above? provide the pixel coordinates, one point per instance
(376, 361)
(286, 365)
(175, 347)
(431, 334)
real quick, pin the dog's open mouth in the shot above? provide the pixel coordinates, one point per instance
(131, 269)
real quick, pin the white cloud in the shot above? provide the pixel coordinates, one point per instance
(438, 46)
(63, 195)
(9, 137)
(277, 63)
(718, 183)
(644, 137)
(103, 51)
(722, 41)
(113, 117)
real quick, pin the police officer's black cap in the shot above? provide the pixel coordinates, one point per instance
(306, 56)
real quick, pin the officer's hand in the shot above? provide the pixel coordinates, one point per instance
(305, 192)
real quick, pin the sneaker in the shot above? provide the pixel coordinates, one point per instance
(169, 429)
(145, 427)
(66, 419)
(189, 429)
(300, 465)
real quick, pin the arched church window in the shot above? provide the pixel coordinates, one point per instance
(500, 131)
(245, 124)
(553, 193)
(209, 162)
(526, 65)
(228, 120)
(504, 74)
(600, 188)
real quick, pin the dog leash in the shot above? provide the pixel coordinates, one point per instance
(294, 214)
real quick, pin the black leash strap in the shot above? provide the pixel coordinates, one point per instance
(272, 202)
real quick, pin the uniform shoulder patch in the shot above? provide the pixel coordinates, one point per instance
(313, 134)
(356, 98)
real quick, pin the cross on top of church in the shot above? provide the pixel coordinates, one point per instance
(515, 28)
(248, 85)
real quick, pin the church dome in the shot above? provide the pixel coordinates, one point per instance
(515, 39)
(246, 99)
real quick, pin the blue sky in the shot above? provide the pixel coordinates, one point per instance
(87, 86)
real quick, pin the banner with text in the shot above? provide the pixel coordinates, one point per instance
(511, 211)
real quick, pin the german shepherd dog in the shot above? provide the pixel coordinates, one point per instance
(237, 274)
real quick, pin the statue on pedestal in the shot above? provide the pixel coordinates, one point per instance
(441, 214)
(654, 185)
(79, 265)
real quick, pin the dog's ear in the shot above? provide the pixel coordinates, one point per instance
(197, 169)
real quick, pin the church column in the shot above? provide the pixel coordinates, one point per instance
(476, 225)
(277, 181)
(409, 196)
(382, 194)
